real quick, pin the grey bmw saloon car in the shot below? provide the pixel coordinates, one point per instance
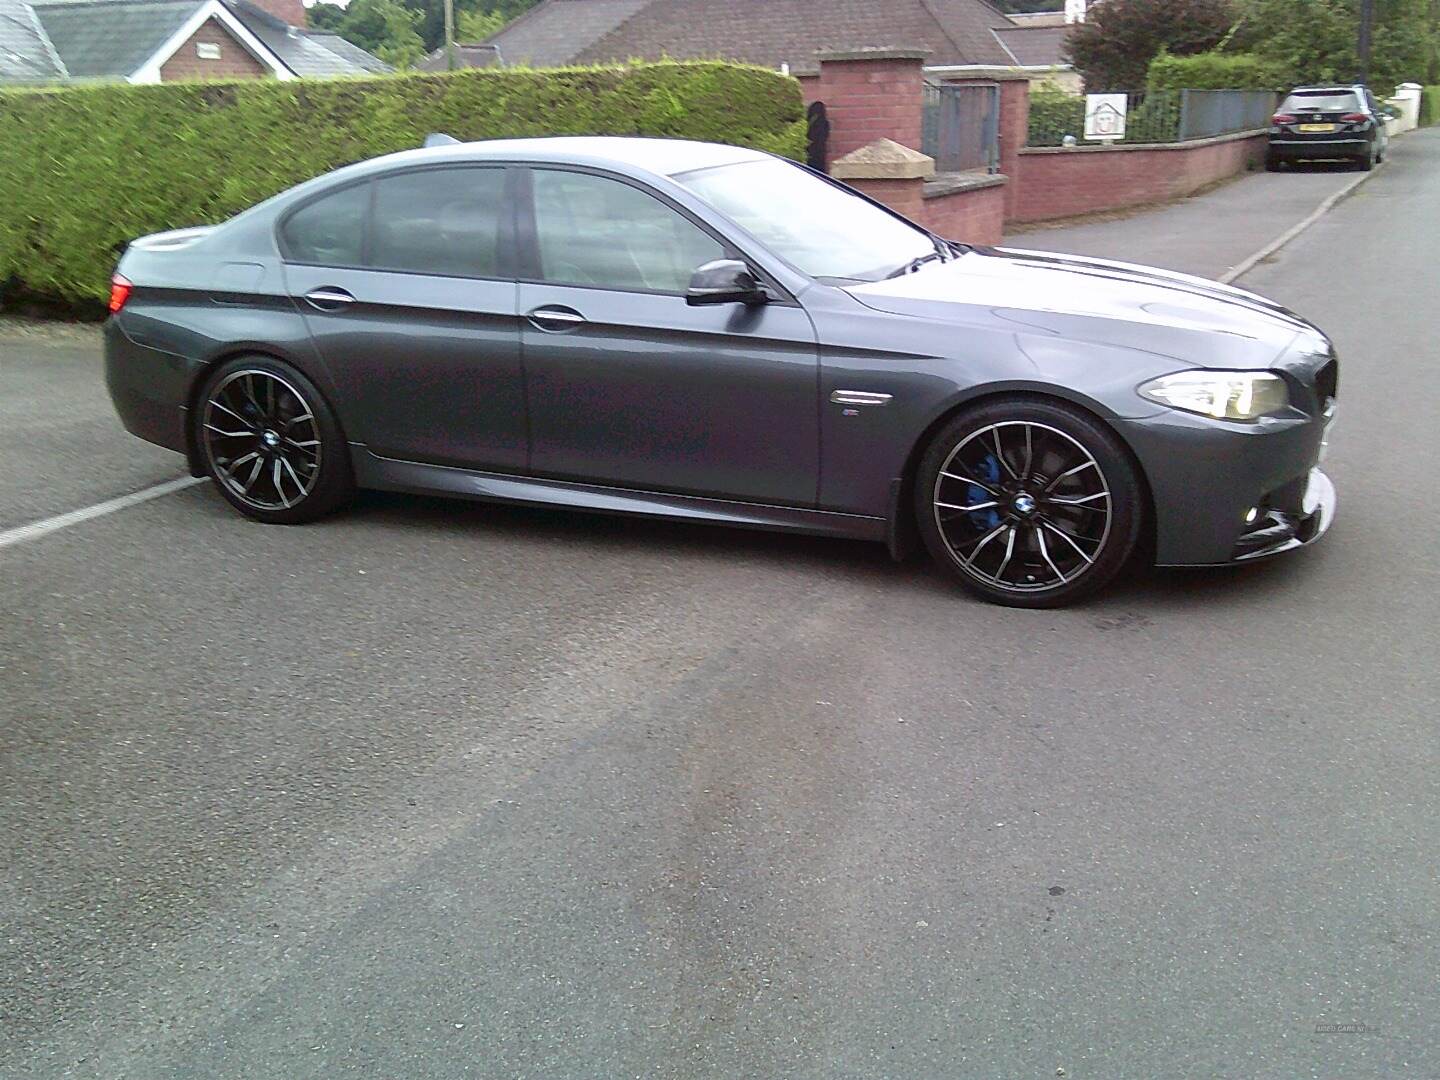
(714, 334)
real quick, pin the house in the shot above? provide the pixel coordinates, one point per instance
(468, 55)
(1038, 46)
(151, 41)
(959, 36)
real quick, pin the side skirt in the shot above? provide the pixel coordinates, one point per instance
(387, 474)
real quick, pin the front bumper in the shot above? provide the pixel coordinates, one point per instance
(1227, 492)
(1282, 530)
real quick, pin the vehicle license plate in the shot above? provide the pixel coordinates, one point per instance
(1316, 127)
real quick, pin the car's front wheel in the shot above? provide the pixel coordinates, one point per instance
(1028, 503)
(270, 442)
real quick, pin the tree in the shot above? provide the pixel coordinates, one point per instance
(432, 14)
(325, 16)
(1114, 46)
(386, 28)
(1316, 39)
(472, 26)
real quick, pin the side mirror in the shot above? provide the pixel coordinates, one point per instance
(724, 281)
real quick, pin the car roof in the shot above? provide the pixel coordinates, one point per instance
(1346, 88)
(662, 157)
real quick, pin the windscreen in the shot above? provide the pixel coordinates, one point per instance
(819, 228)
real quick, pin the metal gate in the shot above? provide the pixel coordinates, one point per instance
(961, 128)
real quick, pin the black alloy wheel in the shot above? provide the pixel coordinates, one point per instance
(1029, 503)
(270, 443)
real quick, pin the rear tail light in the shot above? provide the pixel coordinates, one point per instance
(1354, 118)
(120, 290)
(1282, 118)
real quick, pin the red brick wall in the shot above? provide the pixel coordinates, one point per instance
(235, 60)
(1063, 183)
(905, 196)
(870, 99)
(881, 97)
(974, 217)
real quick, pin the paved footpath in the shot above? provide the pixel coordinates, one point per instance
(1205, 235)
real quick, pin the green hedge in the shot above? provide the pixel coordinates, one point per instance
(1430, 106)
(83, 170)
(1216, 71)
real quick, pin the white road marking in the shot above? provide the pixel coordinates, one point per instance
(37, 529)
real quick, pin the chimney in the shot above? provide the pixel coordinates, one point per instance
(289, 11)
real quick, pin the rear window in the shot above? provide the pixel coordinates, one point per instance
(330, 231)
(1322, 102)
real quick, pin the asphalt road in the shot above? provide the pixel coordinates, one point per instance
(441, 790)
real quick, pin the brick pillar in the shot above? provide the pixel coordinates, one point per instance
(887, 171)
(1014, 126)
(809, 86)
(871, 94)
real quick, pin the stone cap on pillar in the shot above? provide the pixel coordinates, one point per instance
(883, 159)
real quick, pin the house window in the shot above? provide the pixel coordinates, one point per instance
(207, 50)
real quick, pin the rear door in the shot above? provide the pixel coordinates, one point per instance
(628, 385)
(407, 284)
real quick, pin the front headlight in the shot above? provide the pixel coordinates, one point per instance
(1225, 395)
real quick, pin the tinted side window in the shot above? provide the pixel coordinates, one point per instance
(331, 230)
(439, 221)
(600, 232)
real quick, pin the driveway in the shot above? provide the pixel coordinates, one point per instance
(442, 790)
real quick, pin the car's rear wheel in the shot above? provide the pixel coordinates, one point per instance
(270, 442)
(1028, 503)
(1272, 163)
(1366, 161)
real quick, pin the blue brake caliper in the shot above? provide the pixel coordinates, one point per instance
(989, 471)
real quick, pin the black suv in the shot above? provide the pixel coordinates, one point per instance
(1316, 122)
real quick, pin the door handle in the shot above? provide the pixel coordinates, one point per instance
(554, 319)
(329, 298)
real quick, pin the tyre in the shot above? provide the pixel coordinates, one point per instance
(1028, 503)
(1365, 162)
(270, 442)
(1272, 163)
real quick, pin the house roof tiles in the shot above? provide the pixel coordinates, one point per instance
(768, 32)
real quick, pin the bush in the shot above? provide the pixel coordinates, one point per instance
(1217, 71)
(1152, 118)
(1053, 115)
(1155, 119)
(1430, 106)
(86, 169)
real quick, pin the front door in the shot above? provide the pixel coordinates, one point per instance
(406, 285)
(631, 387)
